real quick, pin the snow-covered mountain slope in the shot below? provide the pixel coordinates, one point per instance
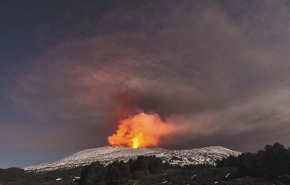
(106, 155)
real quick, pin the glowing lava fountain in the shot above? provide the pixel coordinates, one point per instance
(141, 130)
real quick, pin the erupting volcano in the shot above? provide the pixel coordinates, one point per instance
(141, 130)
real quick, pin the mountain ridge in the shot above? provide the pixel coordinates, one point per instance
(108, 154)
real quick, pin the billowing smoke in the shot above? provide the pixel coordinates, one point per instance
(212, 68)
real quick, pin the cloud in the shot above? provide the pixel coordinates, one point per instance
(200, 66)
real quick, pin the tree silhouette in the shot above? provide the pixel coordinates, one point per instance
(269, 163)
(93, 174)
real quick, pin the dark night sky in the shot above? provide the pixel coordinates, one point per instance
(219, 68)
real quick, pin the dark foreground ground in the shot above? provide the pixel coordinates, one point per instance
(200, 176)
(194, 175)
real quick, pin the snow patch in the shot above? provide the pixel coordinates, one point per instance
(106, 155)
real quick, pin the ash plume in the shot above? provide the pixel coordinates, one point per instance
(219, 69)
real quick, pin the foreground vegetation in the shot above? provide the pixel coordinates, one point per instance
(270, 163)
(121, 172)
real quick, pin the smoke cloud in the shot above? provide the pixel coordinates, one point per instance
(219, 68)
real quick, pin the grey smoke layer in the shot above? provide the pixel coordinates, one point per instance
(221, 67)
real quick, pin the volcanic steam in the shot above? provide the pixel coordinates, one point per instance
(141, 130)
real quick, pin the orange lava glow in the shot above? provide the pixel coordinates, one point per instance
(141, 130)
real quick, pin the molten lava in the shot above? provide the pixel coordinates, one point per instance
(141, 130)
